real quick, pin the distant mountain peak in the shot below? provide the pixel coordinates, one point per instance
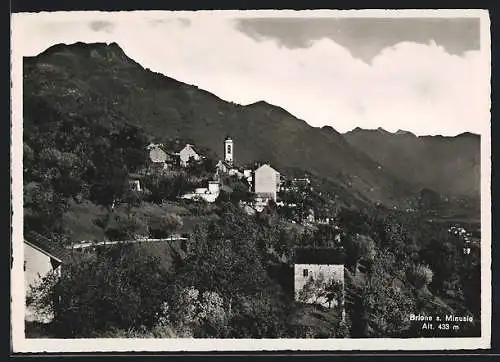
(467, 134)
(81, 45)
(381, 130)
(86, 56)
(330, 129)
(263, 103)
(105, 50)
(404, 133)
(260, 103)
(269, 107)
(370, 130)
(425, 160)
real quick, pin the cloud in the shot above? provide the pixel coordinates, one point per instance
(365, 37)
(412, 86)
(161, 21)
(101, 25)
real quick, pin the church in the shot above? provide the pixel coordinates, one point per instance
(226, 166)
(264, 180)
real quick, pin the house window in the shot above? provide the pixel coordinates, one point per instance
(228, 149)
(305, 272)
(25, 265)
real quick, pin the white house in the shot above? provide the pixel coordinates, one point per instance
(186, 154)
(38, 263)
(209, 194)
(314, 271)
(266, 182)
(135, 185)
(214, 187)
(248, 174)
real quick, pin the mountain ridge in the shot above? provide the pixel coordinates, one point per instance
(101, 80)
(447, 164)
(409, 133)
(114, 46)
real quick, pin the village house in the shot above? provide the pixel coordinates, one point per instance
(153, 145)
(266, 181)
(39, 261)
(158, 157)
(248, 175)
(223, 167)
(135, 185)
(319, 265)
(209, 194)
(187, 153)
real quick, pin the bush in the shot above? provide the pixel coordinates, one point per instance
(125, 227)
(420, 275)
(163, 227)
(195, 314)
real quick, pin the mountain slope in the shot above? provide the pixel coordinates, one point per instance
(450, 165)
(101, 82)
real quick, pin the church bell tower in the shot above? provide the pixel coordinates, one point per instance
(228, 150)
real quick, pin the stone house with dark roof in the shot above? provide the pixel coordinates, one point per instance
(315, 272)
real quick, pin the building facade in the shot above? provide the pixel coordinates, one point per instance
(214, 187)
(209, 194)
(38, 263)
(135, 185)
(266, 182)
(319, 277)
(188, 153)
(158, 157)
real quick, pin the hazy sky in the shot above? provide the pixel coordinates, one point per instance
(425, 75)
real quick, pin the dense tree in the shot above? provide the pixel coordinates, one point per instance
(353, 221)
(223, 258)
(358, 248)
(240, 192)
(204, 168)
(74, 157)
(119, 288)
(381, 307)
(43, 208)
(163, 187)
(165, 226)
(429, 200)
(123, 226)
(195, 314)
(443, 258)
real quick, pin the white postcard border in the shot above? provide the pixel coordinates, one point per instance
(21, 344)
